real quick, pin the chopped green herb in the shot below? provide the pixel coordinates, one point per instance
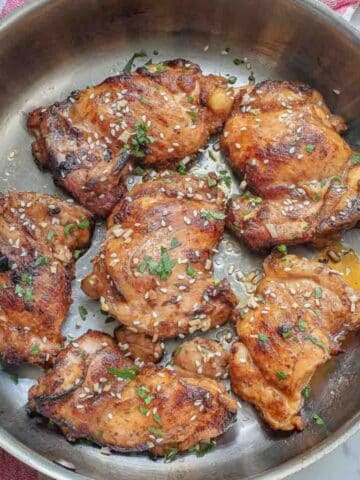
(212, 155)
(170, 454)
(26, 278)
(192, 115)
(282, 249)
(263, 338)
(337, 178)
(50, 235)
(25, 293)
(41, 261)
(160, 68)
(212, 182)
(85, 441)
(174, 242)
(109, 320)
(182, 168)
(157, 418)
(136, 55)
(177, 351)
(76, 254)
(252, 78)
(285, 331)
(83, 312)
(143, 410)
(316, 341)
(143, 393)
(306, 392)
(318, 292)
(302, 325)
(190, 99)
(14, 378)
(201, 448)
(318, 420)
(225, 177)
(238, 61)
(140, 140)
(35, 350)
(232, 80)
(139, 171)
(128, 373)
(282, 375)
(190, 270)
(83, 225)
(309, 148)
(213, 214)
(156, 431)
(355, 159)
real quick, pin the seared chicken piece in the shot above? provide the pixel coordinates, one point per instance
(203, 357)
(299, 316)
(94, 392)
(154, 274)
(40, 236)
(157, 115)
(139, 346)
(303, 179)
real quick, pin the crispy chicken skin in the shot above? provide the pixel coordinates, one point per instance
(38, 236)
(302, 177)
(203, 357)
(84, 395)
(154, 273)
(302, 313)
(157, 115)
(139, 346)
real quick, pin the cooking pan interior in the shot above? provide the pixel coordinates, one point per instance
(50, 48)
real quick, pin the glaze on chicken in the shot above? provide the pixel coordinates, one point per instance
(157, 115)
(94, 392)
(154, 273)
(296, 320)
(301, 178)
(40, 237)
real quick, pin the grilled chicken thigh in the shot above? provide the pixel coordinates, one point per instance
(157, 115)
(39, 237)
(139, 346)
(94, 392)
(203, 357)
(302, 178)
(299, 315)
(154, 273)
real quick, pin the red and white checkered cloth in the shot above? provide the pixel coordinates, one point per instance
(10, 468)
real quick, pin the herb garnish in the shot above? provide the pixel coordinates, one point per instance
(83, 225)
(316, 341)
(190, 270)
(83, 312)
(201, 448)
(129, 64)
(306, 392)
(309, 148)
(282, 249)
(41, 261)
(162, 268)
(213, 214)
(128, 373)
(35, 350)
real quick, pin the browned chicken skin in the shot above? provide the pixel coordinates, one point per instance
(139, 346)
(302, 312)
(94, 392)
(39, 237)
(154, 274)
(203, 357)
(303, 178)
(157, 115)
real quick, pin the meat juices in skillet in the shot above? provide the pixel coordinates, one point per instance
(302, 313)
(302, 178)
(40, 236)
(95, 392)
(156, 116)
(154, 273)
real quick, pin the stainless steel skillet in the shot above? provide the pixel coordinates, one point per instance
(48, 48)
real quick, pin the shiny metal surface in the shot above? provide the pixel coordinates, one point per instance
(47, 49)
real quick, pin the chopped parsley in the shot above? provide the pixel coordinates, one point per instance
(76, 254)
(143, 410)
(139, 171)
(355, 159)
(162, 268)
(157, 418)
(212, 155)
(160, 68)
(83, 312)
(156, 431)
(182, 168)
(302, 325)
(190, 270)
(192, 115)
(177, 351)
(318, 420)
(225, 177)
(26, 278)
(282, 375)
(318, 292)
(42, 261)
(285, 331)
(232, 80)
(263, 338)
(109, 320)
(190, 99)
(212, 182)
(14, 378)
(144, 393)
(139, 141)
(316, 341)
(25, 293)
(83, 225)
(128, 373)
(238, 61)
(309, 148)
(129, 64)
(306, 392)
(213, 214)
(35, 350)
(174, 242)
(170, 454)
(201, 448)
(50, 235)
(252, 78)
(282, 249)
